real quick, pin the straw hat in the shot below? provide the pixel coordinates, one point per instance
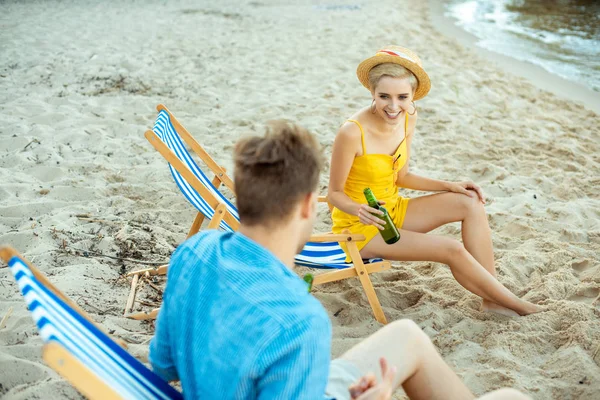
(397, 55)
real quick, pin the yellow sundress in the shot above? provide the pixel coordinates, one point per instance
(378, 172)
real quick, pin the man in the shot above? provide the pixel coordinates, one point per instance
(237, 323)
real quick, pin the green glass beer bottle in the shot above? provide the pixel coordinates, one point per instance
(390, 232)
(308, 278)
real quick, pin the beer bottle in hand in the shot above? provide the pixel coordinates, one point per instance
(390, 232)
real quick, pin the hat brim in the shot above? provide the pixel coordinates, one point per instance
(423, 82)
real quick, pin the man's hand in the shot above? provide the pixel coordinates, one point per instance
(367, 387)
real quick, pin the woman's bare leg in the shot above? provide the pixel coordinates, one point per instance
(430, 212)
(420, 369)
(427, 213)
(468, 272)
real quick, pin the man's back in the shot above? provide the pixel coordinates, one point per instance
(237, 323)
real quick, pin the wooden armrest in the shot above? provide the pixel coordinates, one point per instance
(340, 237)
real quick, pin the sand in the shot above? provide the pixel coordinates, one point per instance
(78, 86)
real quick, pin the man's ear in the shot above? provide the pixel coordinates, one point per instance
(308, 205)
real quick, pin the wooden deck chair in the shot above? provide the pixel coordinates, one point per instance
(78, 349)
(322, 251)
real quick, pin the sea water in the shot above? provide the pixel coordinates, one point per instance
(562, 36)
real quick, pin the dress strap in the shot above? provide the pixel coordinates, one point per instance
(362, 135)
(406, 125)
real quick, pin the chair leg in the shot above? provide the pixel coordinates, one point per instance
(363, 277)
(218, 217)
(196, 225)
(223, 179)
(195, 228)
(131, 298)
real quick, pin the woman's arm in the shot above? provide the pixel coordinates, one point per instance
(417, 182)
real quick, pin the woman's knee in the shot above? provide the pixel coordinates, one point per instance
(454, 251)
(470, 205)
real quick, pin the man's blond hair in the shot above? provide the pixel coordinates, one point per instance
(273, 172)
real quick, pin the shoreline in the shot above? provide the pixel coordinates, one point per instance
(537, 75)
(76, 108)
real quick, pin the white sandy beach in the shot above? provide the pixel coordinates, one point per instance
(78, 85)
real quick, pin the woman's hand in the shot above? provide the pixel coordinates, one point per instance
(467, 188)
(367, 387)
(365, 215)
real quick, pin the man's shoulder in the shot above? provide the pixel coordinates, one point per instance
(205, 239)
(202, 248)
(204, 243)
(256, 282)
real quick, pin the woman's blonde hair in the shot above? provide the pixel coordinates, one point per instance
(393, 70)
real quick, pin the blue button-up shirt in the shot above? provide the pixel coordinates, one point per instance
(236, 323)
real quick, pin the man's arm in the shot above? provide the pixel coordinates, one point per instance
(297, 362)
(161, 352)
(160, 348)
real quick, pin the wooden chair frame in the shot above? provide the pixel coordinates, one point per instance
(359, 269)
(56, 355)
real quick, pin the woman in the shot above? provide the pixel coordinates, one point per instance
(372, 149)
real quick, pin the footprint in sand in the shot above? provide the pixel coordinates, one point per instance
(581, 266)
(587, 296)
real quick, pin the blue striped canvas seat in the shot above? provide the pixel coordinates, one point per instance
(58, 322)
(315, 254)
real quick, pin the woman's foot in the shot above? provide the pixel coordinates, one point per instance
(527, 308)
(530, 308)
(488, 306)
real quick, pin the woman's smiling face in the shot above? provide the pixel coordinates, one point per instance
(393, 96)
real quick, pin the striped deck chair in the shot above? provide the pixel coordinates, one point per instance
(78, 349)
(322, 251)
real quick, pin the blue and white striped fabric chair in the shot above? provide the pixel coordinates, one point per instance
(322, 251)
(77, 348)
